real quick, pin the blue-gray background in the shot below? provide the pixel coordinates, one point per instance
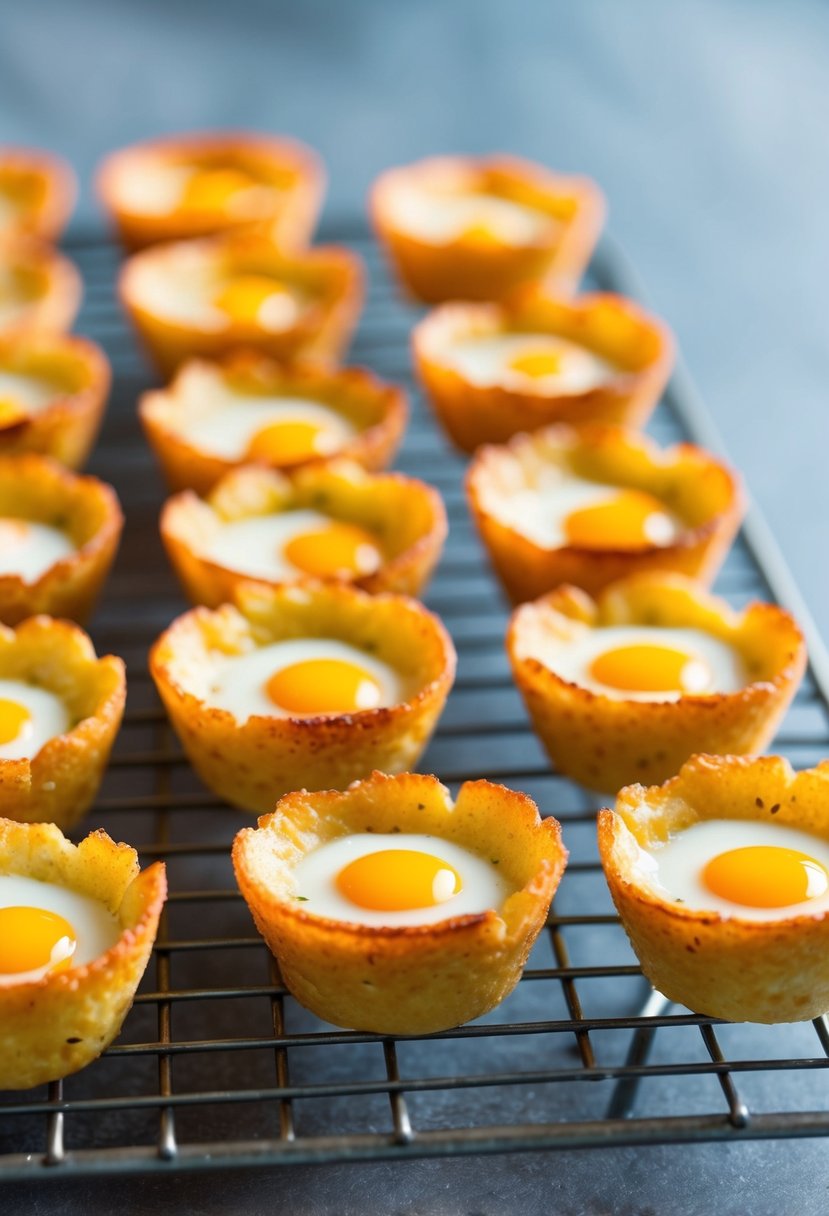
(705, 121)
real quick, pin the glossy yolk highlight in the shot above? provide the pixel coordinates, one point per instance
(649, 668)
(765, 876)
(213, 189)
(252, 299)
(398, 880)
(11, 411)
(287, 442)
(324, 686)
(628, 520)
(32, 938)
(13, 534)
(536, 363)
(13, 718)
(335, 551)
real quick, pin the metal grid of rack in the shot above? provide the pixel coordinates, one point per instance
(218, 1066)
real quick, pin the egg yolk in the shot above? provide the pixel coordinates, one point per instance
(13, 534)
(287, 442)
(213, 189)
(324, 686)
(628, 520)
(397, 880)
(11, 411)
(765, 876)
(536, 363)
(256, 299)
(649, 668)
(481, 232)
(336, 550)
(13, 718)
(32, 938)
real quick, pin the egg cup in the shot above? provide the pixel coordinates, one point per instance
(57, 1025)
(288, 211)
(330, 279)
(33, 488)
(605, 741)
(722, 966)
(378, 411)
(42, 189)
(464, 267)
(250, 764)
(406, 516)
(638, 345)
(45, 284)
(420, 978)
(701, 491)
(67, 426)
(59, 783)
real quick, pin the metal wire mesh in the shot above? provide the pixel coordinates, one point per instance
(218, 1066)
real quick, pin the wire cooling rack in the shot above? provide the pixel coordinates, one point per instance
(217, 1066)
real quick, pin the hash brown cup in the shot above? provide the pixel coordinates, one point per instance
(59, 783)
(250, 764)
(57, 1025)
(406, 516)
(722, 966)
(462, 267)
(329, 280)
(638, 346)
(38, 190)
(39, 287)
(418, 979)
(290, 178)
(66, 427)
(604, 741)
(33, 488)
(378, 411)
(700, 490)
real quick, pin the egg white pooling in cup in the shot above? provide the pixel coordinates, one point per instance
(29, 549)
(95, 929)
(482, 886)
(486, 359)
(228, 429)
(255, 546)
(153, 187)
(29, 717)
(443, 217)
(26, 392)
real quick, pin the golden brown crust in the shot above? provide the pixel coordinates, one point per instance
(376, 409)
(52, 1027)
(702, 491)
(66, 428)
(726, 967)
(44, 187)
(49, 282)
(605, 742)
(616, 329)
(60, 782)
(294, 168)
(460, 269)
(421, 978)
(36, 489)
(406, 515)
(252, 763)
(330, 276)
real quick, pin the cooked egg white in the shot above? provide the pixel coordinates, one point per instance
(256, 546)
(227, 430)
(482, 886)
(93, 929)
(676, 869)
(239, 683)
(441, 217)
(498, 359)
(27, 393)
(29, 717)
(715, 666)
(154, 187)
(29, 549)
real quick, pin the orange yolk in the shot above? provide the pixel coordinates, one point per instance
(336, 550)
(11, 411)
(32, 938)
(287, 442)
(765, 876)
(398, 880)
(648, 668)
(324, 686)
(213, 189)
(13, 717)
(253, 298)
(627, 521)
(481, 233)
(536, 363)
(13, 534)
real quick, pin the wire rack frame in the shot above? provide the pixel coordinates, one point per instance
(217, 1066)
